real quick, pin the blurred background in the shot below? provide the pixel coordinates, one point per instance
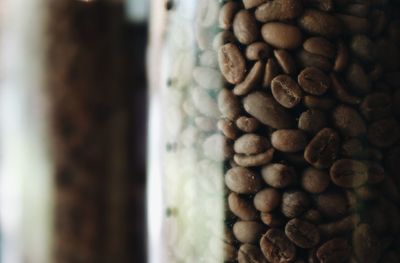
(73, 130)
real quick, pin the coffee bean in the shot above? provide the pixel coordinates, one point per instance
(348, 121)
(353, 24)
(227, 14)
(273, 220)
(245, 27)
(366, 245)
(336, 250)
(217, 148)
(278, 10)
(320, 23)
(315, 181)
(289, 141)
(231, 63)
(248, 4)
(340, 91)
(322, 103)
(312, 121)
(258, 51)
(323, 5)
(248, 231)
(241, 207)
(242, 181)
(228, 104)
(276, 247)
(294, 203)
(267, 200)
(267, 110)
(314, 81)
(250, 254)
(320, 46)
(376, 106)
(342, 226)
(384, 133)
(281, 35)
(285, 61)
(251, 144)
(302, 233)
(278, 175)
(360, 10)
(362, 47)
(358, 79)
(271, 71)
(342, 57)
(307, 59)
(286, 91)
(353, 148)
(331, 204)
(366, 193)
(228, 129)
(322, 150)
(349, 173)
(253, 78)
(230, 252)
(247, 124)
(254, 159)
(312, 215)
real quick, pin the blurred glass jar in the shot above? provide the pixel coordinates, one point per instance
(274, 131)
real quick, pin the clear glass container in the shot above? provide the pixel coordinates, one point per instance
(274, 131)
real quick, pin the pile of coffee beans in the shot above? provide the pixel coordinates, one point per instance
(307, 100)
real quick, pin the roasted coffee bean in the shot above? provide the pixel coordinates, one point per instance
(286, 91)
(349, 173)
(312, 121)
(245, 27)
(241, 207)
(281, 35)
(258, 51)
(353, 148)
(322, 150)
(217, 148)
(340, 91)
(267, 110)
(232, 63)
(250, 254)
(314, 81)
(331, 204)
(289, 141)
(302, 233)
(273, 220)
(335, 250)
(253, 78)
(285, 61)
(362, 47)
(254, 159)
(315, 181)
(320, 23)
(267, 200)
(354, 24)
(358, 79)
(230, 252)
(276, 247)
(251, 143)
(278, 175)
(384, 133)
(360, 10)
(366, 245)
(242, 181)
(307, 59)
(228, 104)
(312, 215)
(348, 121)
(227, 14)
(320, 46)
(271, 71)
(248, 231)
(322, 103)
(376, 106)
(342, 57)
(248, 4)
(342, 226)
(278, 10)
(228, 129)
(247, 124)
(294, 203)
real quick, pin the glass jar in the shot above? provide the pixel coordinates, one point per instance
(274, 131)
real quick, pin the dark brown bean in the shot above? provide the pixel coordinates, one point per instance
(322, 150)
(230, 252)
(278, 175)
(341, 93)
(332, 204)
(247, 124)
(251, 143)
(227, 13)
(362, 47)
(228, 128)
(320, 46)
(242, 181)
(265, 109)
(242, 207)
(286, 91)
(320, 23)
(278, 10)
(312, 121)
(334, 251)
(366, 245)
(315, 181)
(349, 173)
(281, 35)
(250, 254)
(258, 51)
(342, 57)
(348, 121)
(253, 78)
(353, 24)
(271, 71)
(352, 148)
(228, 104)
(294, 203)
(289, 141)
(322, 103)
(273, 220)
(276, 247)
(254, 159)
(245, 27)
(314, 81)
(285, 61)
(376, 106)
(248, 4)
(302, 233)
(342, 226)
(248, 231)
(231, 63)
(267, 200)
(307, 59)
(384, 133)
